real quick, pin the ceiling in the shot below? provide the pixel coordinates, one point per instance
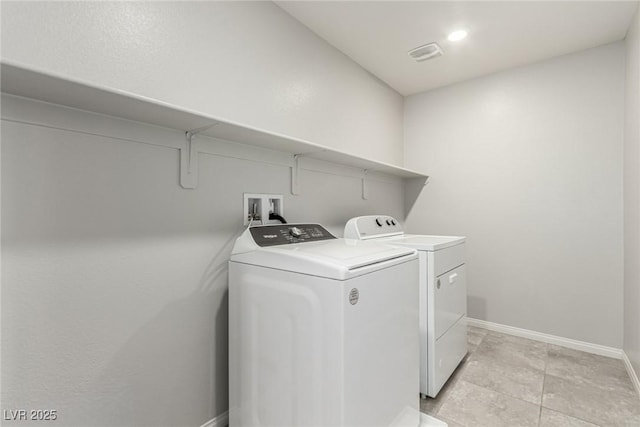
(502, 34)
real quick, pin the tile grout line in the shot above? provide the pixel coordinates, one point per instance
(540, 406)
(573, 416)
(499, 392)
(502, 393)
(544, 381)
(556, 410)
(459, 379)
(545, 377)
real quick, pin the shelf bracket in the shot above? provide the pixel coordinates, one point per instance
(189, 164)
(189, 159)
(365, 189)
(295, 175)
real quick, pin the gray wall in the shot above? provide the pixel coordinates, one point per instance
(527, 163)
(248, 62)
(632, 198)
(114, 279)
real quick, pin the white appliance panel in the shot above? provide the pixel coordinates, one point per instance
(450, 299)
(428, 243)
(381, 349)
(442, 309)
(286, 341)
(448, 352)
(306, 350)
(425, 307)
(323, 361)
(448, 259)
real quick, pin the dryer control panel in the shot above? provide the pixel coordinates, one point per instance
(285, 234)
(372, 227)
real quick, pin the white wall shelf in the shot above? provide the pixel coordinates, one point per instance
(25, 82)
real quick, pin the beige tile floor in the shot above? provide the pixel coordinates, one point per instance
(511, 381)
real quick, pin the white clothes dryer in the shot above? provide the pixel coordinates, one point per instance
(443, 294)
(322, 331)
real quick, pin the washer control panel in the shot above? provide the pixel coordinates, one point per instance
(285, 234)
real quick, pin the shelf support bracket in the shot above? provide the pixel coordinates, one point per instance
(189, 159)
(365, 188)
(295, 175)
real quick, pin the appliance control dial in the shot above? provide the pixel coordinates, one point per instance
(379, 222)
(295, 232)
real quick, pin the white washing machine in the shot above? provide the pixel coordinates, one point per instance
(322, 331)
(443, 294)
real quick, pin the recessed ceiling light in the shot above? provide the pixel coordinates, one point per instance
(457, 35)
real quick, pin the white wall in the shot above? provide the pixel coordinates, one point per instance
(632, 197)
(248, 62)
(527, 163)
(114, 279)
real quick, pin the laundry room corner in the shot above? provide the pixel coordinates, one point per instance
(631, 185)
(527, 163)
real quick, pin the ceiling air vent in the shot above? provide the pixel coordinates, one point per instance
(428, 51)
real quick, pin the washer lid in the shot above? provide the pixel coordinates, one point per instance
(338, 259)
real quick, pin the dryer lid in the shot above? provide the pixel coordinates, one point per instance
(383, 228)
(425, 242)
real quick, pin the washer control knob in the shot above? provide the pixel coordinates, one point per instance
(393, 221)
(295, 232)
(379, 222)
(389, 222)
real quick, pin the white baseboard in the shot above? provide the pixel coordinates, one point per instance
(632, 372)
(221, 420)
(551, 339)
